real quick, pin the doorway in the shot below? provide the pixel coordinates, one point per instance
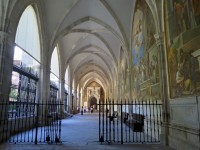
(92, 102)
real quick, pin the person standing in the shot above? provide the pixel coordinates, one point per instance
(82, 110)
(91, 109)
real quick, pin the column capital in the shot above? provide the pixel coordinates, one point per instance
(159, 38)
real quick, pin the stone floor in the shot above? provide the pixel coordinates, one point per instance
(80, 132)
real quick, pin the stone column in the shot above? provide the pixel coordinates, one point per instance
(45, 82)
(163, 86)
(71, 99)
(6, 50)
(75, 98)
(80, 104)
(6, 64)
(62, 96)
(44, 91)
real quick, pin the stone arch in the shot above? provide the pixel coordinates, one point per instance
(92, 102)
(16, 13)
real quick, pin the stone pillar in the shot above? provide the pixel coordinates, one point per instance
(71, 99)
(75, 98)
(62, 95)
(45, 82)
(80, 104)
(6, 65)
(163, 86)
(6, 50)
(44, 91)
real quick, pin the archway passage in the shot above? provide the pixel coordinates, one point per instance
(93, 102)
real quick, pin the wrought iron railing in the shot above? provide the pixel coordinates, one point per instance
(30, 122)
(130, 121)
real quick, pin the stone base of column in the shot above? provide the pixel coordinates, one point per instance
(164, 140)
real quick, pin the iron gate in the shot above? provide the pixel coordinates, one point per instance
(30, 122)
(130, 121)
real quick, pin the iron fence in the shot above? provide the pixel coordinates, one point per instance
(130, 121)
(30, 122)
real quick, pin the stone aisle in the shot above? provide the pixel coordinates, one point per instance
(80, 132)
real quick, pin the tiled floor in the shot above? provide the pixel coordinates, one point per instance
(80, 132)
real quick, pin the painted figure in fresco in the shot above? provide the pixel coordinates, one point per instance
(179, 81)
(156, 69)
(138, 44)
(140, 40)
(172, 61)
(183, 77)
(184, 85)
(143, 67)
(191, 13)
(180, 22)
(136, 82)
(150, 30)
(186, 15)
(196, 10)
(153, 69)
(150, 40)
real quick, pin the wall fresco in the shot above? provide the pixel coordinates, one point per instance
(123, 74)
(145, 66)
(183, 24)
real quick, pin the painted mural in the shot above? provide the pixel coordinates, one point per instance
(145, 69)
(183, 50)
(124, 74)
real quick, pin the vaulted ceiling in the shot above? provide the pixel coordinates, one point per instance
(90, 34)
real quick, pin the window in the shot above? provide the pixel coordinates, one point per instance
(26, 63)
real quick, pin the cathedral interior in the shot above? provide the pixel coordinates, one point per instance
(82, 53)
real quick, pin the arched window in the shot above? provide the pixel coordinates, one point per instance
(27, 36)
(54, 76)
(26, 63)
